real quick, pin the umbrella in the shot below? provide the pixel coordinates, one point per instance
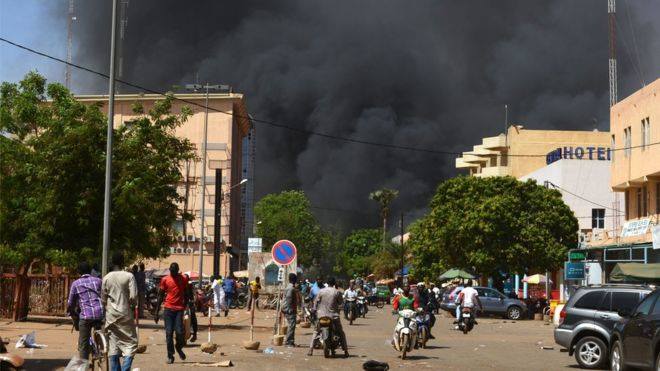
(455, 273)
(536, 279)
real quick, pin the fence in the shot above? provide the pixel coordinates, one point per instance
(48, 294)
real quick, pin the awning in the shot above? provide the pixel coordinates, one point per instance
(455, 273)
(636, 272)
(240, 274)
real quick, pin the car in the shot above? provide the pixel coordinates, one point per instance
(493, 301)
(587, 320)
(636, 338)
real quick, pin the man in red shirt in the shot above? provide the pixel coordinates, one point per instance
(173, 289)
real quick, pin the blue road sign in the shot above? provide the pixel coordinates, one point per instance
(284, 252)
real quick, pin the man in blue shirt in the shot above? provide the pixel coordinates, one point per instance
(84, 305)
(229, 287)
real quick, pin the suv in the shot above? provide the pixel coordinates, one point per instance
(636, 339)
(587, 320)
(493, 301)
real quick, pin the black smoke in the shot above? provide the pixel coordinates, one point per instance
(431, 74)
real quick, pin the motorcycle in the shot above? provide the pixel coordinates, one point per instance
(9, 361)
(423, 320)
(151, 296)
(329, 337)
(466, 322)
(351, 310)
(405, 332)
(362, 308)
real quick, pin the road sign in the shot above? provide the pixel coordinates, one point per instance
(254, 245)
(284, 252)
(577, 255)
(574, 271)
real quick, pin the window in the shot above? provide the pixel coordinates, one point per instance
(613, 147)
(624, 300)
(638, 194)
(598, 218)
(657, 198)
(590, 300)
(627, 204)
(606, 304)
(656, 308)
(645, 197)
(626, 141)
(645, 306)
(646, 133)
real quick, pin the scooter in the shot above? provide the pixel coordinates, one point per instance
(466, 322)
(329, 338)
(351, 310)
(9, 361)
(423, 320)
(362, 308)
(405, 332)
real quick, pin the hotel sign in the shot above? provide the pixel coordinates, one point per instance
(579, 153)
(634, 228)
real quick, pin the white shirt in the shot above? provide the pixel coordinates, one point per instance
(350, 294)
(469, 297)
(436, 290)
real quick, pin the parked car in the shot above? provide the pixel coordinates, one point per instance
(586, 322)
(636, 338)
(493, 301)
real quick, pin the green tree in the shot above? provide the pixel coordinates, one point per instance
(358, 250)
(52, 164)
(287, 215)
(493, 224)
(384, 197)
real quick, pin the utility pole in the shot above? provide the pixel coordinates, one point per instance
(108, 153)
(611, 13)
(403, 250)
(69, 45)
(217, 222)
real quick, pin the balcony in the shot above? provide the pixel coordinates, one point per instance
(461, 164)
(495, 171)
(497, 143)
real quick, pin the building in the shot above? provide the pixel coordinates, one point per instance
(228, 125)
(635, 134)
(521, 151)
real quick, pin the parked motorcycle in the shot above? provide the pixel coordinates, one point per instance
(151, 296)
(423, 320)
(9, 361)
(362, 307)
(405, 332)
(329, 336)
(466, 322)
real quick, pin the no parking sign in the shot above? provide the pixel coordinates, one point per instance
(284, 252)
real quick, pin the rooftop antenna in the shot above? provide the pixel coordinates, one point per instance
(611, 13)
(69, 44)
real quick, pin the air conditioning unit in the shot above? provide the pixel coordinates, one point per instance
(179, 250)
(209, 239)
(189, 250)
(181, 238)
(191, 238)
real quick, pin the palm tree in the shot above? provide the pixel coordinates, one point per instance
(384, 197)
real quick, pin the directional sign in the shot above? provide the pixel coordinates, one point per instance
(284, 252)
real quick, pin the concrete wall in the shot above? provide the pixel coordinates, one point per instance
(586, 179)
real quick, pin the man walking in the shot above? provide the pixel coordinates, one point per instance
(290, 309)
(173, 290)
(218, 295)
(85, 305)
(254, 288)
(229, 286)
(190, 294)
(119, 297)
(327, 304)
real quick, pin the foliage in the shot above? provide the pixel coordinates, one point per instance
(52, 163)
(384, 197)
(386, 261)
(287, 215)
(493, 224)
(358, 249)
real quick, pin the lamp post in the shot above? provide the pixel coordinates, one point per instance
(202, 244)
(107, 199)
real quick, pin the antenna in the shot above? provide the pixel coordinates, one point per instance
(611, 13)
(69, 44)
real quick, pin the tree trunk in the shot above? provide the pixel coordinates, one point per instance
(21, 294)
(384, 230)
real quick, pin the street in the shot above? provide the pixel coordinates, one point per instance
(494, 344)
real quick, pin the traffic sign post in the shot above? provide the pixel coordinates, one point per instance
(284, 252)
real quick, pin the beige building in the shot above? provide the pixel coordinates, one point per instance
(228, 124)
(635, 128)
(521, 151)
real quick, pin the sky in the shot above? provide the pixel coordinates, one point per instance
(429, 74)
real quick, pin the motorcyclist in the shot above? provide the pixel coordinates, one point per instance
(405, 301)
(350, 294)
(469, 298)
(327, 304)
(425, 296)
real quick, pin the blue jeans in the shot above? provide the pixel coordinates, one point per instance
(173, 325)
(229, 298)
(116, 365)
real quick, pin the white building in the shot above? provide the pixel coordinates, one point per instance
(585, 189)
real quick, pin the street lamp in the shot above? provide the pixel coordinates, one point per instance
(202, 244)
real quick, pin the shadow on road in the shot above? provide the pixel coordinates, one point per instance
(45, 364)
(437, 347)
(416, 357)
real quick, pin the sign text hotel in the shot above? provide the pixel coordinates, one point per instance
(579, 153)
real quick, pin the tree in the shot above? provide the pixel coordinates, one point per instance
(358, 250)
(492, 225)
(386, 261)
(384, 197)
(52, 165)
(287, 215)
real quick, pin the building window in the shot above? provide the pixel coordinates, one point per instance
(626, 141)
(645, 198)
(627, 204)
(646, 133)
(639, 202)
(657, 198)
(598, 218)
(613, 147)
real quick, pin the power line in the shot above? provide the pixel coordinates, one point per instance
(273, 123)
(582, 198)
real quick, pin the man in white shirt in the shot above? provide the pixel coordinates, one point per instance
(469, 297)
(350, 294)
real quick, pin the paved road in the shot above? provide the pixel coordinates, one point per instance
(495, 344)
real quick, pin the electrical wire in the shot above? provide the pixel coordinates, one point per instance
(580, 197)
(273, 123)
